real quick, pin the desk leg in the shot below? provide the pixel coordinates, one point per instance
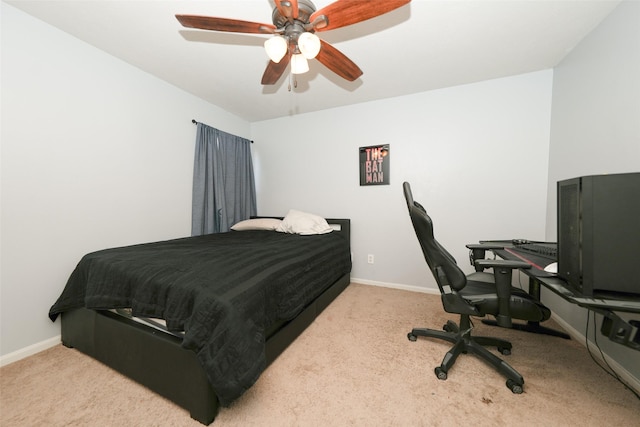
(534, 288)
(535, 327)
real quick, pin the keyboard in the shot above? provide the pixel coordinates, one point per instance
(548, 250)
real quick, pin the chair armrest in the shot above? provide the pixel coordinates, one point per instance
(502, 263)
(502, 272)
(478, 250)
(485, 246)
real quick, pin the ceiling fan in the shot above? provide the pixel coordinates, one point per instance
(294, 25)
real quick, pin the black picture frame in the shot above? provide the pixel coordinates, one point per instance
(374, 165)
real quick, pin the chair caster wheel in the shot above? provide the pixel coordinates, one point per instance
(450, 327)
(412, 337)
(440, 373)
(514, 387)
(504, 351)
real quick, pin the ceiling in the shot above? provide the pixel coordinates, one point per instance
(423, 46)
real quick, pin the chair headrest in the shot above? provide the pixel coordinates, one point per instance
(406, 187)
(408, 195)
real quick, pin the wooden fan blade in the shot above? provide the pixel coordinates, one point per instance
(337, 62)
(224, 24)
(288, 8)
(346, 12)
(274, 70)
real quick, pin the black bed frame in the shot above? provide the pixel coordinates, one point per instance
(156, 359)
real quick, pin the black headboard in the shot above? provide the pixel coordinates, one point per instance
(341, 225)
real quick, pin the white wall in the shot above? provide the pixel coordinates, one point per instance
(475, 155)
(95, 153)
(596, 105)
(595, 130)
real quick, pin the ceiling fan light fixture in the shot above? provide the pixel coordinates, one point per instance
(299, 64)
(276, 48)
(292, 20)
(309, 45)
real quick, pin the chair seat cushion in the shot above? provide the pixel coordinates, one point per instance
(483, 296)
(481, 276)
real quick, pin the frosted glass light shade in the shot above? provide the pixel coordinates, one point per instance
(276, 48)
(299, 64)
(309, 45)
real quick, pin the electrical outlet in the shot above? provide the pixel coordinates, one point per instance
(370, 259)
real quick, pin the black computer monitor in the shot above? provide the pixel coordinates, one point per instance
(599, 234)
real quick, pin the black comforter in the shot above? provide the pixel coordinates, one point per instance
(223, 290)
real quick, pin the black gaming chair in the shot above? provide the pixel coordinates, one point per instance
(476, 294)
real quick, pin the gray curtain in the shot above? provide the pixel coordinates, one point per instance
(223, 184)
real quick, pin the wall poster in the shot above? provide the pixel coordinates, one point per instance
(374, 165)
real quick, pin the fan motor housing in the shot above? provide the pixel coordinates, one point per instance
(305, 10)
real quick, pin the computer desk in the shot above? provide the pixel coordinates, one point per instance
(614, 327)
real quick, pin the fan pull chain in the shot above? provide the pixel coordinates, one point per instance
(295, 81)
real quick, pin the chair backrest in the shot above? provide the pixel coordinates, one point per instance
(442, 263)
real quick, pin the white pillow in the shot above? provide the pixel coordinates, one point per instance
(257, 224)
(297, 222)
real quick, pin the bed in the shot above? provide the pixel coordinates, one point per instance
(198, 319)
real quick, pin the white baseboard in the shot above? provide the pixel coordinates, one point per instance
(625, 376)
(396, 286)
(29, 351)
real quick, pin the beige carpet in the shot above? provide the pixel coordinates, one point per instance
(352, 367)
